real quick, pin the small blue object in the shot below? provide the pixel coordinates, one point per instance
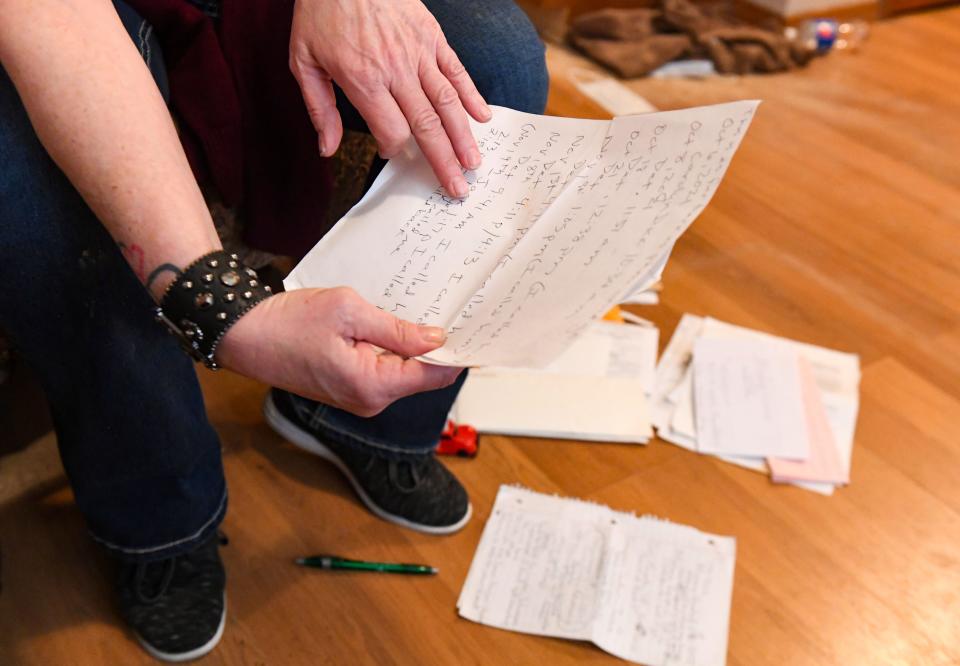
(825, 32)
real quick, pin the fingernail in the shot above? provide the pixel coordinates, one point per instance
(487, 113)
(458, 187)
(323, 148)
(432, 334)
(473, 159)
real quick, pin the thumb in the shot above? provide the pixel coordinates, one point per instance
(321, 102)
(396, 335)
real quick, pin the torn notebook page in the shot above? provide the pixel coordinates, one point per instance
(563, 219)
(643, 589)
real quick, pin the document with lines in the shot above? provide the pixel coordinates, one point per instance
(564, 217)
(643, 589)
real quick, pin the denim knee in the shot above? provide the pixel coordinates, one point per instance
(500, 48)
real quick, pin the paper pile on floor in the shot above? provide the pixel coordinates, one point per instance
(759, 401)
(594, 391)
(643, 589)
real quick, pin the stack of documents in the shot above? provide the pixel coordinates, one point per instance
(594, 391)
(643, 589)
(759, 401)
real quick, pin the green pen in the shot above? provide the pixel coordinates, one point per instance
(333, 562)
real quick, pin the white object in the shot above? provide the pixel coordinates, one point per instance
(563, 218)
(601, 409)
(685, 69)
(643, 589)
(612, 95)
(594, 391)
(748, 399)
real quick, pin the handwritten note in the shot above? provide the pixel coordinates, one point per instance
(563, 219)
(749, 399)
(642, 589)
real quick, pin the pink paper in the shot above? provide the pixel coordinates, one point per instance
(824, 463)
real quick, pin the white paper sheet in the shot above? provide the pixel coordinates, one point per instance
(594, 391)
(564, 217)
(605, 349)
(643, 589)
(748, 399)
(599, 409)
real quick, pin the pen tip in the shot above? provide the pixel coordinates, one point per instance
(434, 570)
(300, 560)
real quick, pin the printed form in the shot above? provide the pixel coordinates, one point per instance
(564, 218)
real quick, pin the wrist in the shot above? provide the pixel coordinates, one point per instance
(159, 279)
(204, 300)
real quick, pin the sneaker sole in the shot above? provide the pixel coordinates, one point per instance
(195, 653)
(304, 440)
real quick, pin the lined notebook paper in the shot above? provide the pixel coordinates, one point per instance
(643, 589)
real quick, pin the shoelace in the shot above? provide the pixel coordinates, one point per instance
(413, 469)
(169, 569)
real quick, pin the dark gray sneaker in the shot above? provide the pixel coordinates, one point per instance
(177, 606)
(420, 494)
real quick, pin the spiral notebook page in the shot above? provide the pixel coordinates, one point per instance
(643, 589)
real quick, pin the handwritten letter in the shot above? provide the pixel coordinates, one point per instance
(641, 588)
(563, 218)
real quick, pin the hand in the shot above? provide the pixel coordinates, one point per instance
(319, 343)
(392, 61)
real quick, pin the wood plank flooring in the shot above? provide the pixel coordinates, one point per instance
(838, 224)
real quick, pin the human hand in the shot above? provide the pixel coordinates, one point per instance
(319, 343)
(395, 66)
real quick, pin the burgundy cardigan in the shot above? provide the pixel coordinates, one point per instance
(242, 119)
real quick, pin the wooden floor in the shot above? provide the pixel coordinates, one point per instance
(838, 224)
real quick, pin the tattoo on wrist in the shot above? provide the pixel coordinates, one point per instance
(160, 270)
(134, 256)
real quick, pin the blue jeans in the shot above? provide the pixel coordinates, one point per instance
(143, 459)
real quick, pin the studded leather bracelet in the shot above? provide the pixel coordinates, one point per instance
(208, 297)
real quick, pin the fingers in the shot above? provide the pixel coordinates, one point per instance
(396, 335)
(427, 127)
(317, 89)
(447, 104)
(456, 74)
(403, 377)
(384, 118)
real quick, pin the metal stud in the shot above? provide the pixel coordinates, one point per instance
(230, 297)
(252, 273)
(187, 284)
(203, 300)
(232, 264)
(230, 278)
(268, 289)
(213, 263)
(233, 256)
(208, 277)
(247, 294)
(221, 316)
(253, 283)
